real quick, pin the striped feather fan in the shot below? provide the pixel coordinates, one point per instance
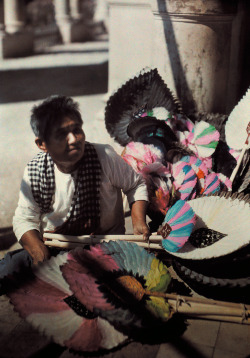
(225, 213)
(177, 226)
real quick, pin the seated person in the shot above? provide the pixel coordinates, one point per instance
(71, 187)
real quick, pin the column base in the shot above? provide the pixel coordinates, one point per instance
(18, 44)
(75, 31)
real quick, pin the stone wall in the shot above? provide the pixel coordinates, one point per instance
(196, 46)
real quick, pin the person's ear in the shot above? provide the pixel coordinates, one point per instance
(41, 144)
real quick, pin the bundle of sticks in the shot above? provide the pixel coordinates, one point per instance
(195, 307)
(208, 309)
(70, 242)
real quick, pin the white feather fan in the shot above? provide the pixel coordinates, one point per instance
(226, 214)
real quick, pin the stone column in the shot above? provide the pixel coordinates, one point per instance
(75, 9)
(1, 17)
(79, 29)
(14, 15)
(15, 40)
(62, 10)
(196, 50)
(101, 15)
(63, 19)
(69, 20)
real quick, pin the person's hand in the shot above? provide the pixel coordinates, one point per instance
(138, 215)
(39, 252)
(34, 245)
(141, 228)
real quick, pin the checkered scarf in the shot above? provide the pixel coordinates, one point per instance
(84, 214)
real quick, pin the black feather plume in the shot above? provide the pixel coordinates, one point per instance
(205, 237)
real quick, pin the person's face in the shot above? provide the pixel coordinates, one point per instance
(65, 144)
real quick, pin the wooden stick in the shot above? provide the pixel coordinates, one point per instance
(207, 309)
(187, 299)
(231, 319)
(245, 147)
(97, 238)
(233, 175)
(72, 245)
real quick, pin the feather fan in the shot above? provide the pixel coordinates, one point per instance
(177, 226)
(99, 279)
(45, 297)
(139, 94)
(238, 120)
(225, 213)
(200, 169)
(145, 159)
(185, 180)
(86, 299)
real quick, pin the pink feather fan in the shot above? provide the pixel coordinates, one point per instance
(49, 305)
(145, 158)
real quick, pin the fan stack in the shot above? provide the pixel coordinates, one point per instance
(204, 160)
(215, 260)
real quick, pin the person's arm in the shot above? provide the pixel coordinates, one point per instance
(26, 223)
(32, 242)
(138, 215)
(122, 176)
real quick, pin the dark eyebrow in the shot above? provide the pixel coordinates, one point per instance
(61, 130)
(66, 129)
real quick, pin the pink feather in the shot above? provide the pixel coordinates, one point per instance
(185, 179)
(212, 183)
(86, 338)
(43, 298)
(82, 282)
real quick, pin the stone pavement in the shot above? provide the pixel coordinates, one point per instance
(81, 71)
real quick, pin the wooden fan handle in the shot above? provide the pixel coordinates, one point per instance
(232, 177)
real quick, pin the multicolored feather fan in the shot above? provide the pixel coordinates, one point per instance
(92, 299)
(47, 303)
(177, 226)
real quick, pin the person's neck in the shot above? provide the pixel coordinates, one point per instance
(67, 168)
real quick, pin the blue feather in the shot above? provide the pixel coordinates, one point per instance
(174, 210)
(170, 246)
(184, 231)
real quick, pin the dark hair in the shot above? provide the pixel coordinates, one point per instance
(50, 113)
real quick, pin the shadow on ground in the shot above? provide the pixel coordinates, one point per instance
(34, 84)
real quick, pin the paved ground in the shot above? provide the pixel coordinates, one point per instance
(78, 70)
